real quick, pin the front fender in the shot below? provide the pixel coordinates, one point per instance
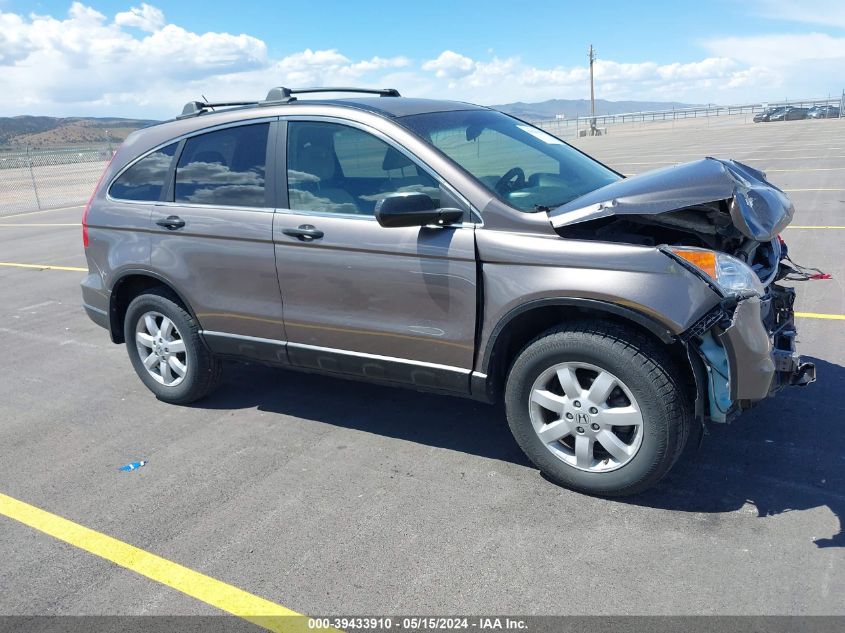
(520, 268)
(592, 305)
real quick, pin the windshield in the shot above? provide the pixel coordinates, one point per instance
(524, 166)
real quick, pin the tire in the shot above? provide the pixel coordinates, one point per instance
(642, 383)
(202, 369)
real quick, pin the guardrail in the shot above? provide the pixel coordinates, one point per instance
(572, 127)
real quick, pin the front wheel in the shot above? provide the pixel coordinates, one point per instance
(599, 408)
(165, 349)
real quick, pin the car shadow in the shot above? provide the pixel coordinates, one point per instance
(440, 421)
(786, 454)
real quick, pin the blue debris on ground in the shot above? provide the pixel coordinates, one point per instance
(133, 466)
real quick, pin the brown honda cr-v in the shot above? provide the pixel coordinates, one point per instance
(448, 247)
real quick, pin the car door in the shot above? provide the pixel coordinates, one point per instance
(212, 238)
(388, 304)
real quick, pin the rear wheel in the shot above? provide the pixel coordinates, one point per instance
(598, 408)
(166, 350)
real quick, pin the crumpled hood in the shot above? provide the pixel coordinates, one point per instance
(759, 210)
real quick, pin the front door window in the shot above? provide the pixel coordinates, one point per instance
(335, 168)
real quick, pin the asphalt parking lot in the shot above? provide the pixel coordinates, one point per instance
(334, 497)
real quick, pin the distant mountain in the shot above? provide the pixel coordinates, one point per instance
(41, 131)
(38, 131)
(571, 108)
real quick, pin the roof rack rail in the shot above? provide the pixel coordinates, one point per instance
(194, 108)
(278, 96)
(285, 95)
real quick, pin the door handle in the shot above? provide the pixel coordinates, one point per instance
(171, 222)
(304, 232)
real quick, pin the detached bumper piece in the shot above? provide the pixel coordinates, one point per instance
(804, 374)
(793, 370)
(747, 347)
(779, 317)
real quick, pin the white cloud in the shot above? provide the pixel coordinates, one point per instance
(379, 63)
(88, 64)
(500, 80)
(85, 63)
(137, 64)
(145, 17)
(14, 45)
(796, 65)
(321, 67)
(450, 64)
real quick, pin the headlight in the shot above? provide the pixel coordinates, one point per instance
(729, 274)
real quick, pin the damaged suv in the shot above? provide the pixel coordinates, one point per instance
(450, 248)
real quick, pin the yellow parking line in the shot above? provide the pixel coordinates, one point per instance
(221, 595)
(816, 315)
(814, 227)
(44, 267)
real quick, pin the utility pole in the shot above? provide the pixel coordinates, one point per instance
(592, 93)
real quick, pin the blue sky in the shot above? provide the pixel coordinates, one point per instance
(548, 32)
(127, 58)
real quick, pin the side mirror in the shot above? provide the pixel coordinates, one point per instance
(413, 209)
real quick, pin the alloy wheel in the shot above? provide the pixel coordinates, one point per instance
(586, 416)
(161, 348)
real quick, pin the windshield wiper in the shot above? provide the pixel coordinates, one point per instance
(547, 208)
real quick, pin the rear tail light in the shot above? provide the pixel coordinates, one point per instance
(88, 205)
(85, 221)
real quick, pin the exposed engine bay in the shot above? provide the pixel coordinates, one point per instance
(717, 204)
(706, 226)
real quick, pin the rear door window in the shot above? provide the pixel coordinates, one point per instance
(226, 167)
(144, 180)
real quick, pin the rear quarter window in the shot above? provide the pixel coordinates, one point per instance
(144, 180)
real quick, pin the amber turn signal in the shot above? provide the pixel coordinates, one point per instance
(701, 259)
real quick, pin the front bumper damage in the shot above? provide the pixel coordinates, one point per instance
(744, 351)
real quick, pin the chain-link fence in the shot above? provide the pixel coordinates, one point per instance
(37, 179)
